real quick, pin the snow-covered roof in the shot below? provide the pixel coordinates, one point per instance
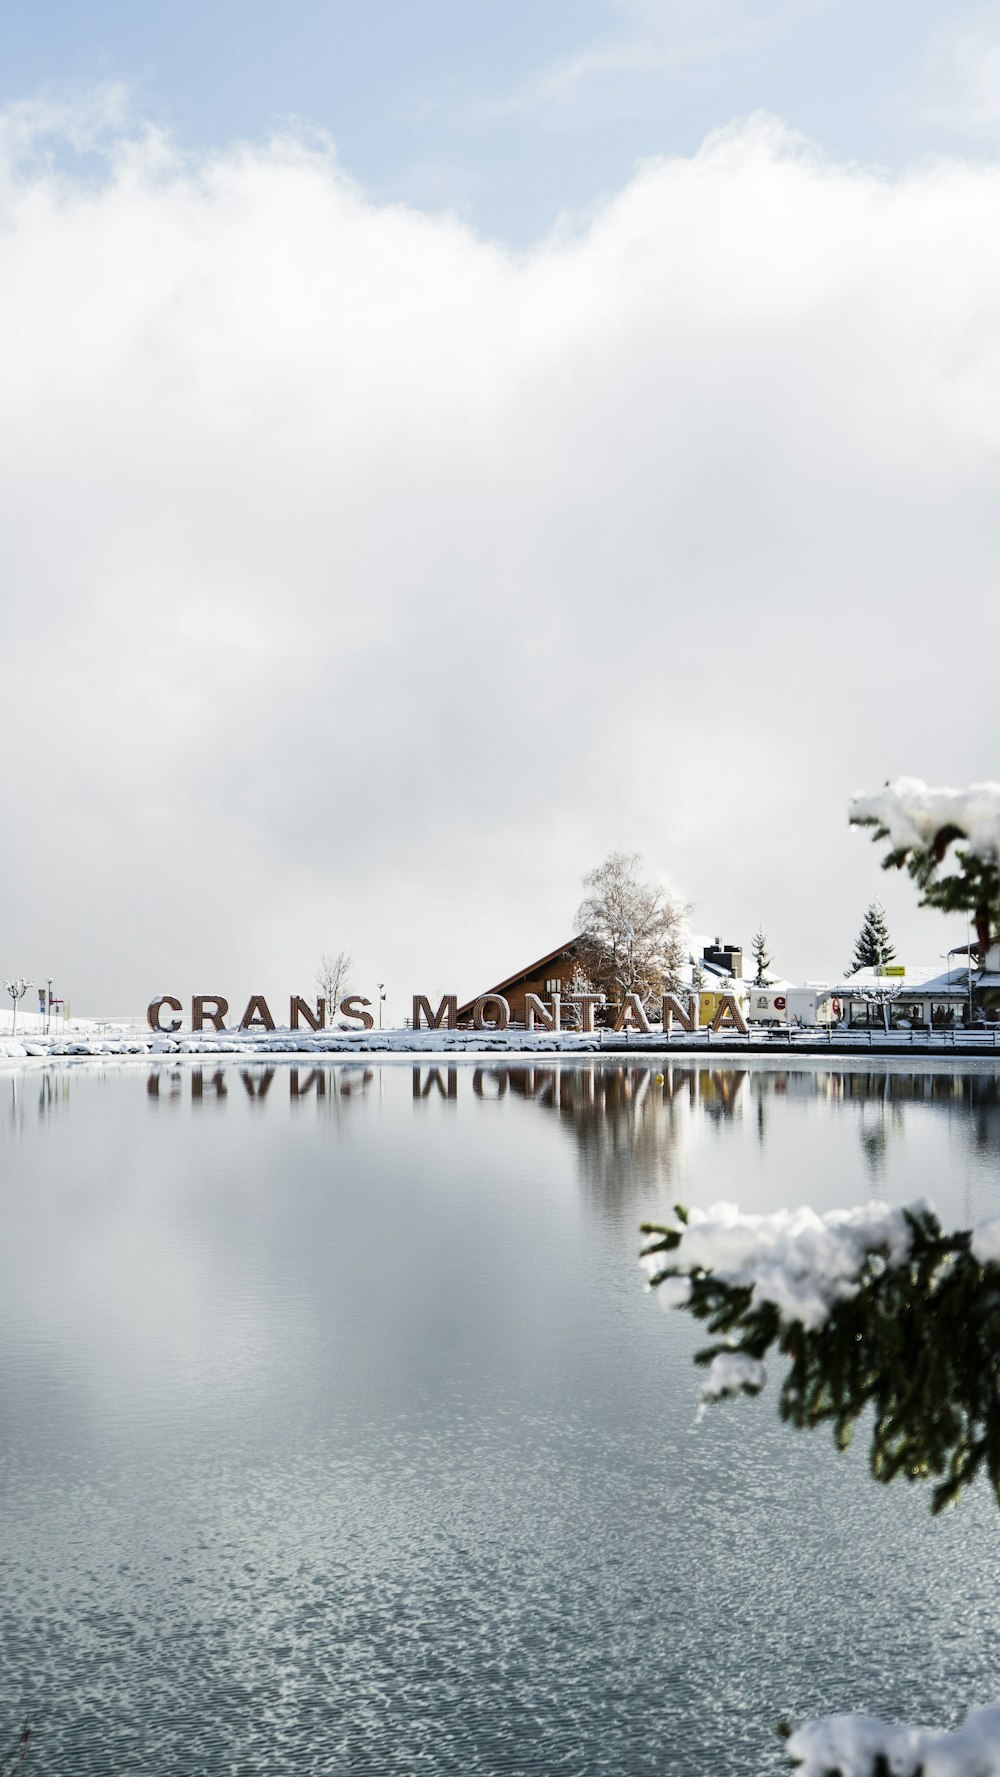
(952, 983)
(868, 981)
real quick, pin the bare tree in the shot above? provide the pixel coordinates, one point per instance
(331, 979)
(635, 932)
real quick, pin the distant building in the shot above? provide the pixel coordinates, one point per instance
(727, 957)
(921, 1002)
(549, 974)
(720, 965)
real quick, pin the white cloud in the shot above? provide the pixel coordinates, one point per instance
(365, 582)
(960, 85)
(653, 38)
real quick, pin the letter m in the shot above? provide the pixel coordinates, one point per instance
(446, 1014)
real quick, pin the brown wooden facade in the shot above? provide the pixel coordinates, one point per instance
(551, 974)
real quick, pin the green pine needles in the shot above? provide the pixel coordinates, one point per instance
(917, 1341)
(947, 840)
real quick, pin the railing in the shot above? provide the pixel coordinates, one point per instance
(811, 1037)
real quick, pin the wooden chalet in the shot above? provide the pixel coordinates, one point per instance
(552, 973)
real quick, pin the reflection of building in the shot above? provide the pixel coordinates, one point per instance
(638, 1127)
(634, 1125)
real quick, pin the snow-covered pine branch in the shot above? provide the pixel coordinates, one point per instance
(863, 1746)
(922, 825)
(872, 1307)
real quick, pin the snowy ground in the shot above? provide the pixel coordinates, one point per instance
(104, 1037)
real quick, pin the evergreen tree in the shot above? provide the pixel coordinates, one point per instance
(874, 947)
(761, 957)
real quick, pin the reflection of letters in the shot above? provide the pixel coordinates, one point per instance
(422, 1088)
(210, 1006)
(260, 1086)
(300, 1009)
(153, 1014)
(153, 1083)
(216, 1083)
(364, 1018)
(314, 1078)
(446, 1014)
(498, 1079)
(257, 1015)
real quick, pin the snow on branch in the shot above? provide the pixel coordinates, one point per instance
(922, 825)
(873, 1307)
(912, 817)
(863, 1746)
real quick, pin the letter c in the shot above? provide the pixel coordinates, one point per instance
(153, 1014)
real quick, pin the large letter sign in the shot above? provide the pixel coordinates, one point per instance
(632, 1008)
(299, 1008)
(728, 1007)
(153, 1014)
(210, 1007)
(446, 1014)
(347, 1007)
(538, 1014)
(488, 1002)
(672, 1009)
(257, 1015)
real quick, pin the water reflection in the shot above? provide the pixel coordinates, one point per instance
(329, 1448)
(628, 1120)
(174, 1085)
(442, 1081)
(35, 1096)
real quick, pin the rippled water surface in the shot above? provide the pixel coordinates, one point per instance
(339, 1435)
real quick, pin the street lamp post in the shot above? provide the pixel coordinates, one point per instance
(381, 997)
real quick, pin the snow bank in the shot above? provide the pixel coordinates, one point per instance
(912, 814)
(801, 1262)
(850, 1744)
(284, 1042)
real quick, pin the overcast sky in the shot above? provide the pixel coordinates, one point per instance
(445, 442)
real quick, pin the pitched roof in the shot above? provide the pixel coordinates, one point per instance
(526, 974)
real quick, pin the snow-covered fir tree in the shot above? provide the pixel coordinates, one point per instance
(761, 956)
(873, 946)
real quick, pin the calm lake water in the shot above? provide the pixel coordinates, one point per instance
(340, 1436)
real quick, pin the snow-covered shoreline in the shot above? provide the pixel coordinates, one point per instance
(101, 1041)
